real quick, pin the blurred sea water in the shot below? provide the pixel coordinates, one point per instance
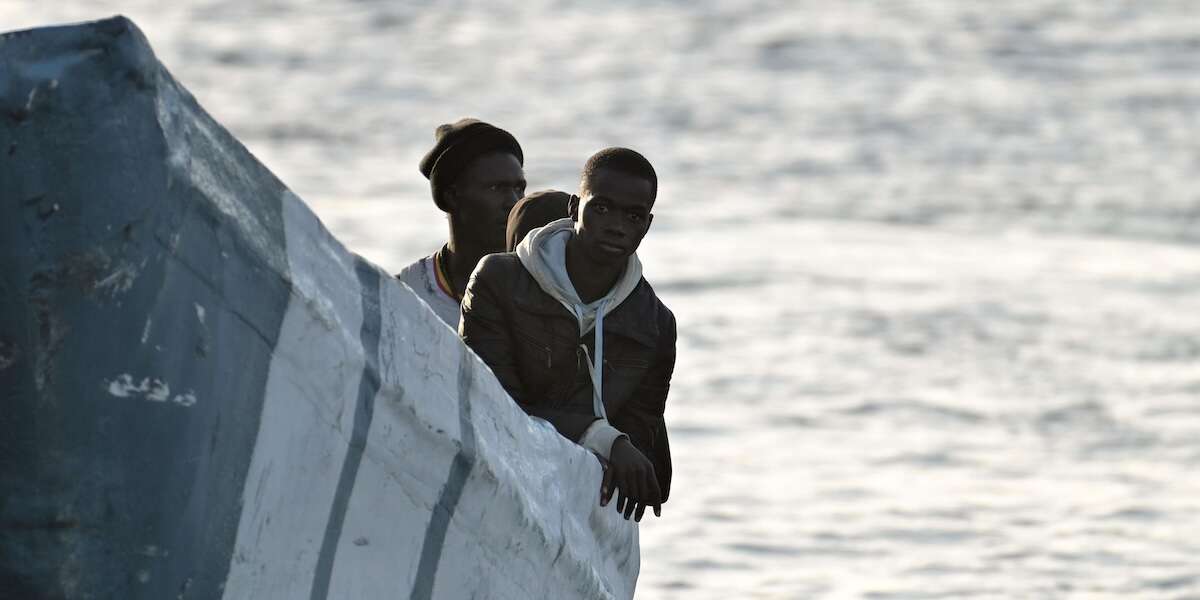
(936, 264)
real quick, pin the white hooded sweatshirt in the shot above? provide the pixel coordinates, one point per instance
(543, 253)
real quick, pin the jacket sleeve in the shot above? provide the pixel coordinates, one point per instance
(483, 327)
(662, 460)
(642, 417)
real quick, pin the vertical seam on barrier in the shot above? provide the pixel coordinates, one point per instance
(460, 470)
(364, 411)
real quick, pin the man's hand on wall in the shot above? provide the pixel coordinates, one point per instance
(630, 472)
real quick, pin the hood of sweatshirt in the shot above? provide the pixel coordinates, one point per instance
(543, 252)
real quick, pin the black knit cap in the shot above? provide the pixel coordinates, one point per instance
(457, 145)
(533, 211)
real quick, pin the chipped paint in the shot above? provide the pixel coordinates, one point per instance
(146, 329)
(32, 98)
(159, 391)
(199, 312)
(119, 281)
(186, 399)
(151, 389)
(123, 387)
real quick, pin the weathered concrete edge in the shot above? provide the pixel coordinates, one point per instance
(576, 530)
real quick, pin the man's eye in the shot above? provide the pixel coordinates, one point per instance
(636, 218)
(600, 208)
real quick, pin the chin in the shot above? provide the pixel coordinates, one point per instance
(603, 258)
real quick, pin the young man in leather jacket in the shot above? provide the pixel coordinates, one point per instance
(577, 336)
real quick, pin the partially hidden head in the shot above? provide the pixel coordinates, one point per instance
(533, 211)
(476, 174)
(612, 212)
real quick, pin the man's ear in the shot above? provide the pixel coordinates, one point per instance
(649, 221)
(449, 199)
(573, 207)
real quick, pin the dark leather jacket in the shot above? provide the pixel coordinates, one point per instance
(532, 344)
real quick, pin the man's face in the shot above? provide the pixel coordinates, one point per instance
(482, 196)
(613, 215)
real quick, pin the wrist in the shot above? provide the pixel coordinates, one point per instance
(599, 437)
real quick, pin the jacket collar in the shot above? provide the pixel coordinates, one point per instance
(634, 318)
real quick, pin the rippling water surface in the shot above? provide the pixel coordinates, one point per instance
(935, 263)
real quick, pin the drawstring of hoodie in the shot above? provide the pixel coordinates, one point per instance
(596, 367)
(543, 254)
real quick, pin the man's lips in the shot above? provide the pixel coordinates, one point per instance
(611, 247)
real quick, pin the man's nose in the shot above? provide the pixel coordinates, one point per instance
(616, 228)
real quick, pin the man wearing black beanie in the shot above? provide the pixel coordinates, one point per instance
(475, 172)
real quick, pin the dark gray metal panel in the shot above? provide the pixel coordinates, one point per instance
(108, 489)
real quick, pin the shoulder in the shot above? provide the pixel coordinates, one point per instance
(655, 305)
(501, 273)
(504, 264)
(415, 272)
(652, 314)
(419, 277)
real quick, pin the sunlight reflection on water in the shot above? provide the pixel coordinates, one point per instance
(933, 262)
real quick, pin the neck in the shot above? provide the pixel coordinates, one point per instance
(592, 280)
(459, 258)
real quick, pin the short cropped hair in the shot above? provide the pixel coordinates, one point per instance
(624, 160)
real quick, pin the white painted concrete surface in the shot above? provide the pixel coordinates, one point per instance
(527, 523)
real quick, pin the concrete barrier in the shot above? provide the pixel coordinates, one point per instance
(206, 396)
